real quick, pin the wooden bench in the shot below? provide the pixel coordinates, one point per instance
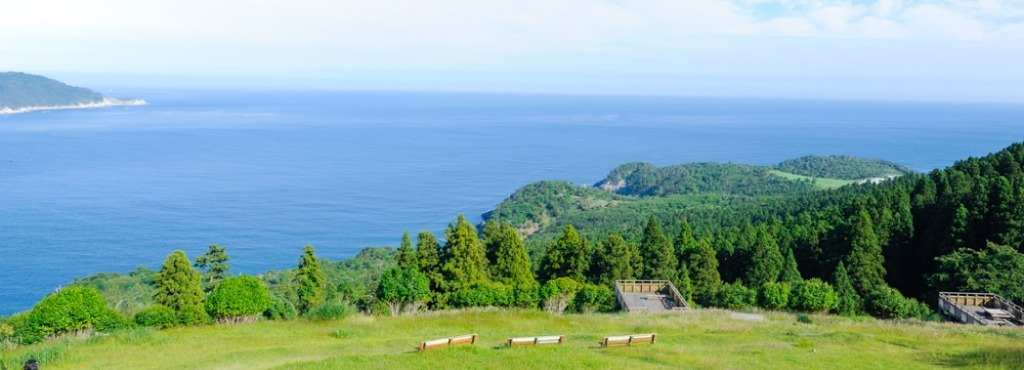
(448, 342)
(536, 341)
(628, 340)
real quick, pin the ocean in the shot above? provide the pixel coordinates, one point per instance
(266, 173)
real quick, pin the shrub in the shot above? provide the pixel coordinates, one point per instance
(804, 318)
(403, 290)
(157, 316)
(281, 309)
(558, 293)
(888, 303)
(74, 309)
(735, 296)
(813, 295)
(332, 310)
(482, 295)
(193, 316)
(591, 298)
(774, 296)
(238, 299)
(526, 295)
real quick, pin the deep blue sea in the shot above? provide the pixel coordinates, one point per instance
(266, 173)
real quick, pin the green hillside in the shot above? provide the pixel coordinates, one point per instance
(646, 180)
(706, 339)
(21, 90)
(698, 191)
(842, 167)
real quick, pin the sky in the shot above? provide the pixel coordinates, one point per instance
(956, 50)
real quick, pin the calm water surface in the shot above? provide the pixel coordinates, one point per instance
(266, 173)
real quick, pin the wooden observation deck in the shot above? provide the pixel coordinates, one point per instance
(649, 296)
(981, 309)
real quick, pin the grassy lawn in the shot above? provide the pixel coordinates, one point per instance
(701, 339)
(819, 182)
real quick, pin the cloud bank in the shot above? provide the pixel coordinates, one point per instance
(953, 49)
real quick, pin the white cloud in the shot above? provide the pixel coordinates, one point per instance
(612, 37)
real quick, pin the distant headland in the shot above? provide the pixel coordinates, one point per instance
(22, 92)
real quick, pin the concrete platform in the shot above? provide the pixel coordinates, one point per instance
(649, 296)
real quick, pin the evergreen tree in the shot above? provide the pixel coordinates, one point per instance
(959, 231)
(849, 301)
(406, 257)
(765, 260)
(703, 271)
(865, 262)
(790, 273)
(215, 264)
(512, 263)
(177, 284)
(613, 261)
(428, 253)
(580, 258)
(658, 254)
(635, 259)
(492, 238)
(310, 281)
(466, 261)
(565, 257)
(684, 241)
(684, 284)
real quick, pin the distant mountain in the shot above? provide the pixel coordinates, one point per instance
(22, 92)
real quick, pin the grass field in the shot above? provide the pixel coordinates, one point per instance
(819, 182)
(710, 339)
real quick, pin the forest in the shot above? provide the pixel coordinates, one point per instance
(883, 250)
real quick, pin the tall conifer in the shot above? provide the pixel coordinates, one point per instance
(215, 261)
(466, 262)
(790, 272)
(865, 262)
(613, 261)
(428, 254)
(178, 284)
(703, 268)
(561, 259)
(849, 301)
(512, 263)
(406, 257)
(765, 260)
(658, 254)
(310, 282)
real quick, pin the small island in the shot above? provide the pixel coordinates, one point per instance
(22, 92)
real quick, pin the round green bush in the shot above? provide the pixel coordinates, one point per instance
(281, 309)
(591, 298)
(558, 293)
(239, 298)
(774, 296)
(813, 295)
(483, 295)
(888, 303)
(69, 310)
(526, 295)
(193, 316)
(157, 316)
(735, 296)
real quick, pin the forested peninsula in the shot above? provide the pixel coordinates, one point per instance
(780, 238)
(22, 92)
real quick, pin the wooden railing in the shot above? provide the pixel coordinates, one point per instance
(951, 302)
